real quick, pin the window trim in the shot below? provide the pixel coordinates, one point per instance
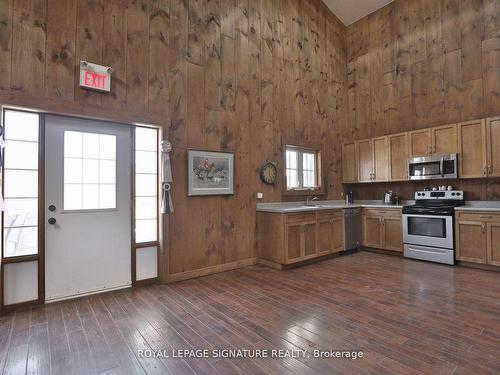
(317, 149)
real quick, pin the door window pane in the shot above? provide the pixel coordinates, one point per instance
(89, 171)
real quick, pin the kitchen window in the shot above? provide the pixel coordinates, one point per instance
(302, 169)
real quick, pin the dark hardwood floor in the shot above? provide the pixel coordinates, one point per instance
(407, 317)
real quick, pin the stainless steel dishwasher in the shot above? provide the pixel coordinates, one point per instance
(352, 228)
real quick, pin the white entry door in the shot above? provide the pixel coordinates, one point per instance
(87, 207)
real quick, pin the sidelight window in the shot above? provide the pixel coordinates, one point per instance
(20, 183)
(146, 185)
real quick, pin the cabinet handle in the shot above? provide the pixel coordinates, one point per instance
(483, 228)
(485, 170)
(490, 169)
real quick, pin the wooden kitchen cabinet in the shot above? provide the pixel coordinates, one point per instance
(444, 140)
(493, 243)
(372, 230)
(472, 161)
(380, 159)
(478, 237)
(290, 238)
(372, 157)
(382, 229)
(398, 153)
(349, 163)
(420, 142)
(364, 155)
(493, 146)
(330, 232)
(393, 233)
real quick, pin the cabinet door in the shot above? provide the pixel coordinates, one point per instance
(380, 160)
(349, 166)
(364, 154)
(472, 149)
(372, 229)
(393, 233)
(471, 241)
(324, 236)
(493, 146)
(493, 243)
(398, 157)
(310, 248)
(444, 140)
(293, 242)
(337, 234)
(420, 142)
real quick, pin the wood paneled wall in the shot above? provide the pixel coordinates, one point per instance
(231, 75)
(418, 63)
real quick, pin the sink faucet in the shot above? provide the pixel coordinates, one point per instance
(310, 199)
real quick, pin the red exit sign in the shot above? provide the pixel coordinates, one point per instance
(95, 77)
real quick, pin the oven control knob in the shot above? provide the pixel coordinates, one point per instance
(453, 194)
(459, 193)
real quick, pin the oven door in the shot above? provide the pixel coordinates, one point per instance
(428, 230)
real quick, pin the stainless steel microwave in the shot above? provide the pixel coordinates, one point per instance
(433, 167)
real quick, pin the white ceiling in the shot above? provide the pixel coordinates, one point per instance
(350, 11)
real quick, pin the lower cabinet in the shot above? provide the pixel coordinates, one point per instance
(478, 237)
(295, 237)
(382, 229)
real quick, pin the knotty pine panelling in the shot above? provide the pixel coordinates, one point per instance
(418, 63)
(229, 75)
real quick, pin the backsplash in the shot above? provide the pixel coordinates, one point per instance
(475, 189)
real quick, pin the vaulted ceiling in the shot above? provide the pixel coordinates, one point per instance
(350, 11)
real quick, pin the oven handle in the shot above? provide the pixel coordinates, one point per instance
(405, 216)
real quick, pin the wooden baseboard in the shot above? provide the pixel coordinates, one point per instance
(270, 263)
(479, 266)
(209, 270)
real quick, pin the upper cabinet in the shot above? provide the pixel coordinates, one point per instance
(420, 143)
(380, 159)
(398, 152)
(349, 163)
(440, 140)
(364, 153)
(371, 155)
(472, 149)
(444, 140)
(476, 142)
(493, 146)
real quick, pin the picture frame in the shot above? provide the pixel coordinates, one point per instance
(210, 173)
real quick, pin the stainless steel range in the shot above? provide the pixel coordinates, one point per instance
(428, 229)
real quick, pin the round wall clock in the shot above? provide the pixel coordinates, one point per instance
(268, 173)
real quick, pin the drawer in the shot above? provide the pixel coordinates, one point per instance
(299, 218)
(386, 212)
(326, 215)
(478, 216)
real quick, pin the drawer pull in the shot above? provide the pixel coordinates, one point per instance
(486, 217)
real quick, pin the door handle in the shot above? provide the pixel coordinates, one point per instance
(52, 208)
(52, 221)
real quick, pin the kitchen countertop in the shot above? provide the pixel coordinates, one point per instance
(480, 206)
(290, 207)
